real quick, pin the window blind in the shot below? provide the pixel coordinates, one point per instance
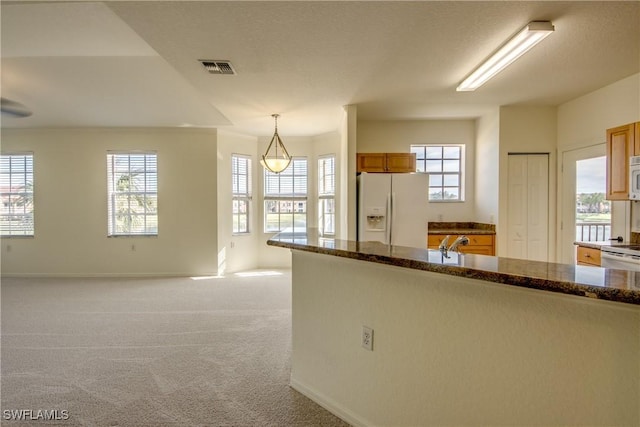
(326, 195)
(132, 194)
(16, 192)
(285, 198)
(241, 189)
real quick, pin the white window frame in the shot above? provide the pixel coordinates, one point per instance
(327, 195)
(241, 194)
(293, 200)
(16, 192)
(145, 205)
(441, 174)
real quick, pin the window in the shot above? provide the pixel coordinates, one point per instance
(16, 189)
(326, 195)
(285, 198)
(443, 164)
(241, 182)
(133, 194)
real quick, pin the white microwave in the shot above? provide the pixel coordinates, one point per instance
(634, 178)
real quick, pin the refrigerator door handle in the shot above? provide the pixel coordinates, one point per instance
(393, 215)
(388, 220)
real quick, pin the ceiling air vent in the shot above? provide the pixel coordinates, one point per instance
(218, 67)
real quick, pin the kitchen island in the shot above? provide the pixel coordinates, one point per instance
(461, 340)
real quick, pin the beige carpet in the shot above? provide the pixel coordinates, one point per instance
(153, 352)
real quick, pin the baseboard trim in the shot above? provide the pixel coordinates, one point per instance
(98, 275)
(329, 404)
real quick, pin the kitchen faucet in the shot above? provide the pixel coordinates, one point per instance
(443, 245)
(461, 240)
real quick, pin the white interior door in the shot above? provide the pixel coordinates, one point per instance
(538, 207)
(517, 207)
(528, 206)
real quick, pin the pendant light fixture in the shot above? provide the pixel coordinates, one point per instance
(276, 159)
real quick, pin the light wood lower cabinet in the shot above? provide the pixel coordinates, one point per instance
(483, 244)
(588, 256)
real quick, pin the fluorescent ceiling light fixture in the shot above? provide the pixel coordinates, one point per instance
(528, 37)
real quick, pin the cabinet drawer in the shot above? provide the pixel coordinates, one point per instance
(474, 239)
(478, 249)
(588, 256)
(480, 240)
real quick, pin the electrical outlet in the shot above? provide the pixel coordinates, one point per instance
(367, 338)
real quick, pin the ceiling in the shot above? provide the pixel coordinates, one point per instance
(130, 63)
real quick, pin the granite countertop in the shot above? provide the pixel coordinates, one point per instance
(461, 228)
(600, 245)
(593, 282)
(591, 245)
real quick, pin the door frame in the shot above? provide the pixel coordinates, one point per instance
(620, 211)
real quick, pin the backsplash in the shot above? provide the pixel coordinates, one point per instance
(462, 226)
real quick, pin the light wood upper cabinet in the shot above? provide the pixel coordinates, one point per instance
(372, 162)
(622, 143)
(386, 162)
(401, 162)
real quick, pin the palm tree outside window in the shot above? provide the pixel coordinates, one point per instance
(133, 194)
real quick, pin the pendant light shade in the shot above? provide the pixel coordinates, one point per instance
(276, 158)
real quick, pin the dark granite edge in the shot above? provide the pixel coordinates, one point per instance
(432, 226)
(600, 245)
(591, 245)
(549, 285)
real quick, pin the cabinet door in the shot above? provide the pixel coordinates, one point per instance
(483, 244)
(620, 143)
(401, 162)
(636, 145)
(371, 162)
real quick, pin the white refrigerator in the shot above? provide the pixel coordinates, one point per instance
(392, 208)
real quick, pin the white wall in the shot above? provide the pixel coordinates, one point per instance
(487, 174)
(583, 122)
(527, 130)
(399, 135)
(237, 252)
(71, 204)
(456, 351)
(349, 143)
